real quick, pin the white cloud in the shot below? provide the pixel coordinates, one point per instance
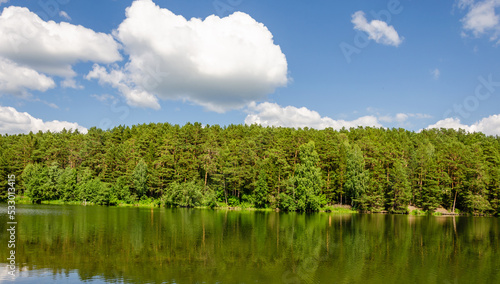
(219, 63)
(14, 122)
(17, 80)
(399, 118)
(103, 98)
(119, 80)
(462, 4)
(377, 30)
(436, 73)
(272, 114)
(488, 125)
(71, 83)
(51, 47)
(481, 18)
(3, 1)
(65, 15)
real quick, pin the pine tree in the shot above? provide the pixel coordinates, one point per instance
(356, 176)
(398, 193)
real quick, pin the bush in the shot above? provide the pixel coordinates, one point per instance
(35, 180)
(104, 195)
(210, 198)
(66, 184)
(286, 202)
(188, 194)
(233, 201)
(122, 191)
(417, 212)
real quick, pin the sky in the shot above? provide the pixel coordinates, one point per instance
(395, 63)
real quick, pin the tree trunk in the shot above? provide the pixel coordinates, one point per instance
(454, 201)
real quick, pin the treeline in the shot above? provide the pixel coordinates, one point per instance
(372, 169)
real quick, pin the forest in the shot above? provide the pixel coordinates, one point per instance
(371, 169)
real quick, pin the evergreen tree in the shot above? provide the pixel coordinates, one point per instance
(356, 176)
(398, 193)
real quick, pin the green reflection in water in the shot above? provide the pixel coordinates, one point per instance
(140, 245)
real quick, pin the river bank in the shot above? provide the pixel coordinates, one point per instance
(336, 208)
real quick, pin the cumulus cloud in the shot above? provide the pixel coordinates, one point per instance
(135, 96)
(488, 125)
(16, 79)
(14, 122)
(219, 63)
(272, 114)
(51, 47)
(377, 30)
(481, 18)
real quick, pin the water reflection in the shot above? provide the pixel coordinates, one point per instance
(138, 245)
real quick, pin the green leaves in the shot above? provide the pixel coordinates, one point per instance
(141, 176)
(356, 175)
(261, 191)
(187, 194)
(35, 181)
(308, 180)
(372, 169)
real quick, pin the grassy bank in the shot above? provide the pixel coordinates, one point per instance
(151, 203)
(335, 209)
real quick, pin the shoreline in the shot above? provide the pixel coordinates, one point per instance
(335, 209)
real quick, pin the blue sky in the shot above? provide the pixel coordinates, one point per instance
(410, 64)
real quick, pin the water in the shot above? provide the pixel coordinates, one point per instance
(73, 244)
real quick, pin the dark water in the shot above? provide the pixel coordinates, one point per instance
(72, 244)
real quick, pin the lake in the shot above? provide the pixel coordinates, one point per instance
(73, 244)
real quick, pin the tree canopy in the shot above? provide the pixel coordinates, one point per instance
(293, 169)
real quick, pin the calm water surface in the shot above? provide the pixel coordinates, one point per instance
(73, 244)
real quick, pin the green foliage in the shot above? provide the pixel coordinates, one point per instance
(369, 168)
(307, 180)
(477, 204)
(66, 184)
(122, 190)
(210, 199)
(141, 176)
(104, 195)
(338, 209)
(35, 181)
(286, 202)
(187, 194)
(233, 201)
(41, 183)
(261, 191)
(356, 176)
(399, 188)
(417, 212)
(89, 190)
